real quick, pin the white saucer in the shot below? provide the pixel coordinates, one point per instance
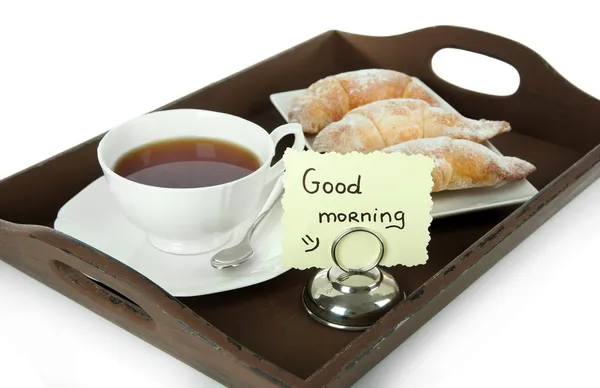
(445, 203)
(92, 216)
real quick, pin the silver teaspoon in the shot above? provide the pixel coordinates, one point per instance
(242, 252)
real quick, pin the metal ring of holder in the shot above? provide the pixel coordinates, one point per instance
(346, 232)
(348, 272)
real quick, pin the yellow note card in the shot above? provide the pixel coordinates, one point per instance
(325, 194)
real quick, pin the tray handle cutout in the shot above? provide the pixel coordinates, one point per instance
(101, 295)
(535, 74)
(475, 72)
(85, 274)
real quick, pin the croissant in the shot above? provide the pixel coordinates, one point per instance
(462, 164)
(330, 98)
(384, 123)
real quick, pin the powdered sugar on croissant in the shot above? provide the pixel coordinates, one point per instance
(330, 98)
(380, 124)
(462, 164)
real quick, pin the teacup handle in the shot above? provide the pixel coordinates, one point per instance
(279, 133)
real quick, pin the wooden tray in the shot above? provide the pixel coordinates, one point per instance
(260, 336)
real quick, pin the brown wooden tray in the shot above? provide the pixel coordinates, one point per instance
(259, 336)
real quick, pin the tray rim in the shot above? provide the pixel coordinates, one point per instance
(557, 193)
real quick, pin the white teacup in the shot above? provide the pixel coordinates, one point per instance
(192, 220)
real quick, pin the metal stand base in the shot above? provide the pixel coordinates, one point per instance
(350, 301)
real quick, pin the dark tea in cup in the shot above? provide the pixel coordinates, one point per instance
(187, 163)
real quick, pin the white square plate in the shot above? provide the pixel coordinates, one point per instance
(445, 203)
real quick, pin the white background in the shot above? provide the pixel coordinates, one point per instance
(70, 70)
